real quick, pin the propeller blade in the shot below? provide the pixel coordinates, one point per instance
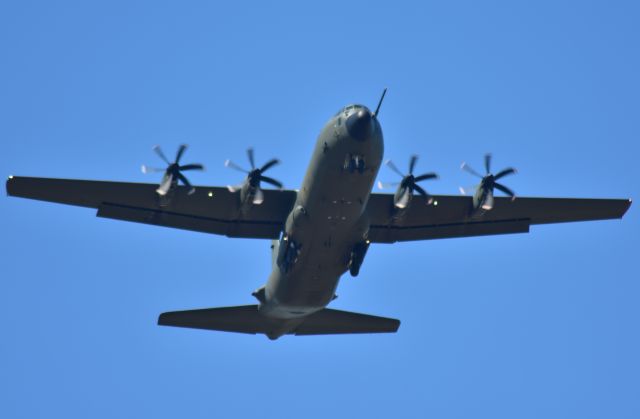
(271, 181)
(467, 190)
(268, 165)
(186, 183)
(234, 188)
(469, 169)
(387, 185)
(487, 162)
(180, 152)
(191, 167)
(234, 166)
(394, 168)
(422, 191)
(505, 172)
(251, 158)
(147, 169)
(412, 163)
(184, 180)
(165, 185)
(425, 177)
(505, 190)
(159, 152)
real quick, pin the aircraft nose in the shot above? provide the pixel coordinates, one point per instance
(359, 125)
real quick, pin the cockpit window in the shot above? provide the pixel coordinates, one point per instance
(348, 109)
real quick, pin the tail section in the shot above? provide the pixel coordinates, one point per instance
(333, 322)
(247, 319)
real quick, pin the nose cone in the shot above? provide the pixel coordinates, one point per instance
(360, 124)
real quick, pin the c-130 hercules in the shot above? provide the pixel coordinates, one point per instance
(318, 232)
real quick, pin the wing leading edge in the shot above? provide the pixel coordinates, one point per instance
(216, 210)
(209, 209)
(451, 217)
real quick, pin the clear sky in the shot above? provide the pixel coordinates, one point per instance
(535, 325)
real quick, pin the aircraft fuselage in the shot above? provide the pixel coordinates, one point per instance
(328, 218)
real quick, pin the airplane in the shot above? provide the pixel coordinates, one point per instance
(318, 232)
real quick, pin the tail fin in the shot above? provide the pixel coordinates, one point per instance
(247, 319)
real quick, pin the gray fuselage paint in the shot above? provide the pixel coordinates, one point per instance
(328, 218)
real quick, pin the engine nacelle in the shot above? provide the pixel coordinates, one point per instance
(402, 197)
(251, 195)
(400, 205)
(482, 202)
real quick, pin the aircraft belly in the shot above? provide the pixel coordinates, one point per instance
(312, 282)
(333, 227)
(325, 224)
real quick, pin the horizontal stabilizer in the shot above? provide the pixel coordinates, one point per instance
(330, 322)
(247, 319)
(241, 319)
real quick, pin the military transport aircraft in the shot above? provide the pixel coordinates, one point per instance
(319, 231)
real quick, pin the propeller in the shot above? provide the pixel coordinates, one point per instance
(255, 176)
(489, 180)
(173, 172)
(409, 184)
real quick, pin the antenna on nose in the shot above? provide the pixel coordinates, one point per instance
(384, 92)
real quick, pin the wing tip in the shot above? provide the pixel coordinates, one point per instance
(395, 325)
(626, 207)
(9, 185)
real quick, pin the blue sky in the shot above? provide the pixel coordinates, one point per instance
(527, 326)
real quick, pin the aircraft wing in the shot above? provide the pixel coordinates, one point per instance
(209, 209)
(451, 216)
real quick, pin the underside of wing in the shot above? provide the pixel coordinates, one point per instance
(207, 209)
(453, 216)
